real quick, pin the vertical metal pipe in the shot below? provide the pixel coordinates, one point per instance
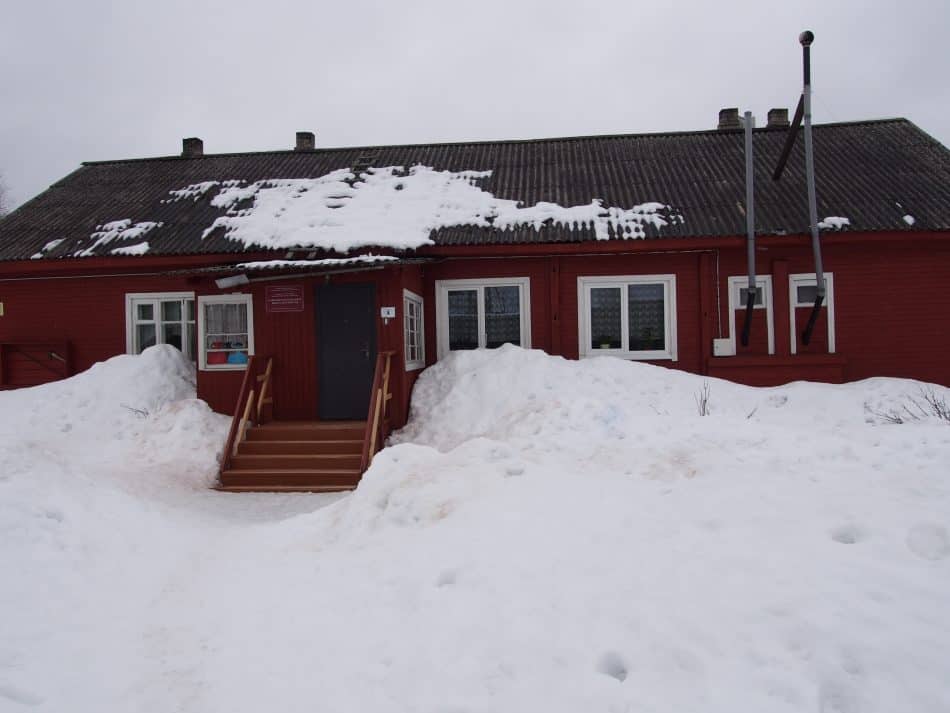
(806, 38)
(749, 122)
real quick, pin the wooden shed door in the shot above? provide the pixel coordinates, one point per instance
(346, 345)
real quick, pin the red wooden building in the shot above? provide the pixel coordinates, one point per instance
(330, 264)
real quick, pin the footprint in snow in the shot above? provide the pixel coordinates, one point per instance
(929, 541)
(611, 664)
(19, 695)
(847, 534)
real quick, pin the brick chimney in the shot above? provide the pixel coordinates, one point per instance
(192, 148)
(306, 141)
(778, 119)
(729, 119)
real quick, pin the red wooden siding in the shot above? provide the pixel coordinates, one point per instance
(688, 313)
(291, 339)
(88, 313)
(891, 304)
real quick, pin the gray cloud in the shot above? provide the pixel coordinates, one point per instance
(98, 80)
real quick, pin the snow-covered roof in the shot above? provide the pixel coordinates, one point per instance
(545, 191)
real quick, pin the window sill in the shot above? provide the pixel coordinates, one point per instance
(629, 356)
(223, 367)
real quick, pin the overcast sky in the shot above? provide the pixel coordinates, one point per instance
(95, 80)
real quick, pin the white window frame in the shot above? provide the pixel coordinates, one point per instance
(803, 279)
(133, 298)
(763, 283)
(584, 286)
(442, 289)
(408, 297)
(233, 298)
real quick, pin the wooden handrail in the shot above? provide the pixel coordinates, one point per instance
(239, 409)
(376, 421)
(242, 426)
(263, 399)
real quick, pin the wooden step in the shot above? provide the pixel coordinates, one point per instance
(309, 461)
(283, 488)
(340, 478)
(308, 431)
(287, 448)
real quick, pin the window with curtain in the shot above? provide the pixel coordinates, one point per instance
(482, 314)
(225, 331)
(632, 317)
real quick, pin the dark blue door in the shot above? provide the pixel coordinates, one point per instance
(346, 345)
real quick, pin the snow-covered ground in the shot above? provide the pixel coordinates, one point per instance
(547, 535)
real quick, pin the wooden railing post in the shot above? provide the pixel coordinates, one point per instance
(239, 408)
(378, 403)
(263, 399)
(242, 427)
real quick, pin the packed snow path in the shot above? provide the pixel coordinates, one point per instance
(550, 535)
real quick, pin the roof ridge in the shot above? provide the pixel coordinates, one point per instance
(485, 142)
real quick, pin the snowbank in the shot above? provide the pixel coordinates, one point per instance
(120, 415)
(544, 535)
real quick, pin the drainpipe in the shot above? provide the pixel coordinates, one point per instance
(750, 226)
(803, 112)
(806, 38)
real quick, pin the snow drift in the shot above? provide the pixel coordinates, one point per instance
(544, 535)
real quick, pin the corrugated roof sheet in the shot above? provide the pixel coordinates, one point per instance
(872, 172)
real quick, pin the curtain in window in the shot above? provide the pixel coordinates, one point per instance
(226, 325)
(463, 319)
(645, 316)
(502, 316)
(605, 318)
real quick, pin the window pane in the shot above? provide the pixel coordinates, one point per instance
(190, 310)
(806, 294)
(463, 319)
(744, 295)
(645, 317)
(605, 326)
(171, 311)
(144, 337)
(412, 330)
(189, 346)
(502, 316)
(145, 312)
(171, 334)
(226, 336)
(226, 319)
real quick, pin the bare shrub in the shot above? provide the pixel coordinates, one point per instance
(702, 400)
(926, 404)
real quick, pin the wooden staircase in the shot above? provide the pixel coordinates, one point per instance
(264, 455)
(314, 456)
